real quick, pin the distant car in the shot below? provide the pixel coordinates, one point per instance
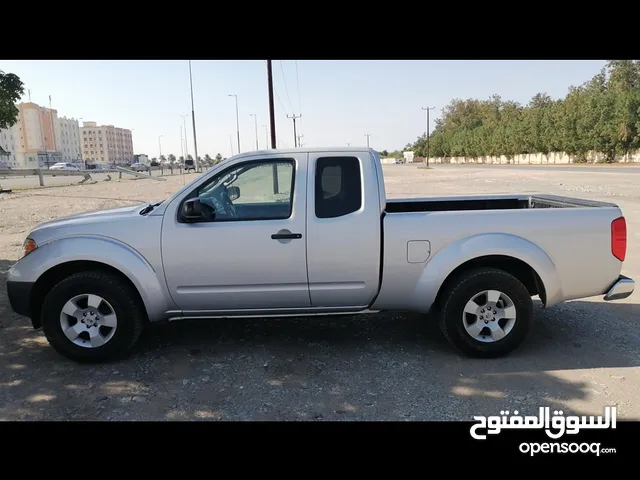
(69, 167)
(139, 167)
(189, 165)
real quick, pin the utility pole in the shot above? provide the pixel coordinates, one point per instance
(295, 134)
(237, 121)
(159, 146)
(255, 119)
(266, 135)
(427, 110)
(186, 144)
(181, 143)
(300, 140)
(368, 135)
(272, 113)
(193, 119)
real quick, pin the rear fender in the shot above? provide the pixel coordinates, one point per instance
(461, 251)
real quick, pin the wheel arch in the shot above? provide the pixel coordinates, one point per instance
(512, 253)
(520, 269)
(51, 277)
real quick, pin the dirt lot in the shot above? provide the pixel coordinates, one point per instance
(583, 354)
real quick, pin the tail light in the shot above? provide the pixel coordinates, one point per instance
(619, 238)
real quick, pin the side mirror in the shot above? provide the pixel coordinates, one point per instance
(233, 192)
(192, 210)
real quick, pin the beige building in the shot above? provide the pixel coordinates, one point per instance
(106, 145)
(35, 136)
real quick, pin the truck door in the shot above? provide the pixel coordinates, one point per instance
(343, 229)
(252, 254)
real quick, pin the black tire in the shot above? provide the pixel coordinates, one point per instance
(126, 304)
(464, 288)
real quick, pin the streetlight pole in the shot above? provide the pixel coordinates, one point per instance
(367, 135)
(81, 144)
(181, 143)
(255, 119)
(193, 119)
(159, 146)
(266, 133)
(237, 120)
(231, 142)
(427, 110)
(186, 148)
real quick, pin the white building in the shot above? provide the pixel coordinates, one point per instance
(68, 139)
(8, 156)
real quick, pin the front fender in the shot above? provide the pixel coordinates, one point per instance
(99, 249)
(461, 251)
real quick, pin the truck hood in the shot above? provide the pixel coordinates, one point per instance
(92, 217)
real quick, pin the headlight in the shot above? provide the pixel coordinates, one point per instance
(28, 246)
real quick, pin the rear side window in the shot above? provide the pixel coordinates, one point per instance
(338, 186)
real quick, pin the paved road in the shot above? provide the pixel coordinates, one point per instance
(58, 180)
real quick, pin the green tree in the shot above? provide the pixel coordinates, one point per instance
(11, 91)
(600, 116)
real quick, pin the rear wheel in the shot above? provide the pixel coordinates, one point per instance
(486, 313)
(92, 317)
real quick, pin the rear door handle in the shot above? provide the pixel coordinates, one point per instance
(286, 236)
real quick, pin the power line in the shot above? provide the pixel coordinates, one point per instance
(285, 87)
(280, 101)
(298, 87)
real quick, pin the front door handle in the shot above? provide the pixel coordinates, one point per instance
(285, 235)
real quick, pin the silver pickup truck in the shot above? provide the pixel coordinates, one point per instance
(310, 232)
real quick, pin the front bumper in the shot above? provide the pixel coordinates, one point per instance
(623, 288)
(19, 293)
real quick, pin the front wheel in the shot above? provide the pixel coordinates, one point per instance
(486, 313)
(92, 317)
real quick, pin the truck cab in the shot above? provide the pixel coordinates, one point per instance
(280, 245)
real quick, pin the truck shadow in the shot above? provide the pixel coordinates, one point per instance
(374, 367)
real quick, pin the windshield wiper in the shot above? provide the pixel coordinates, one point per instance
(149, 207)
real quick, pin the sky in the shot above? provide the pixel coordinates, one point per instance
(340, 101)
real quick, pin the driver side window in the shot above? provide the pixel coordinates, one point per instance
(258, 190)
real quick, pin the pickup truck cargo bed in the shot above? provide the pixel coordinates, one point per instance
(488, 202)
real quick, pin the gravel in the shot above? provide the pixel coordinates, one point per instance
(582, 355)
